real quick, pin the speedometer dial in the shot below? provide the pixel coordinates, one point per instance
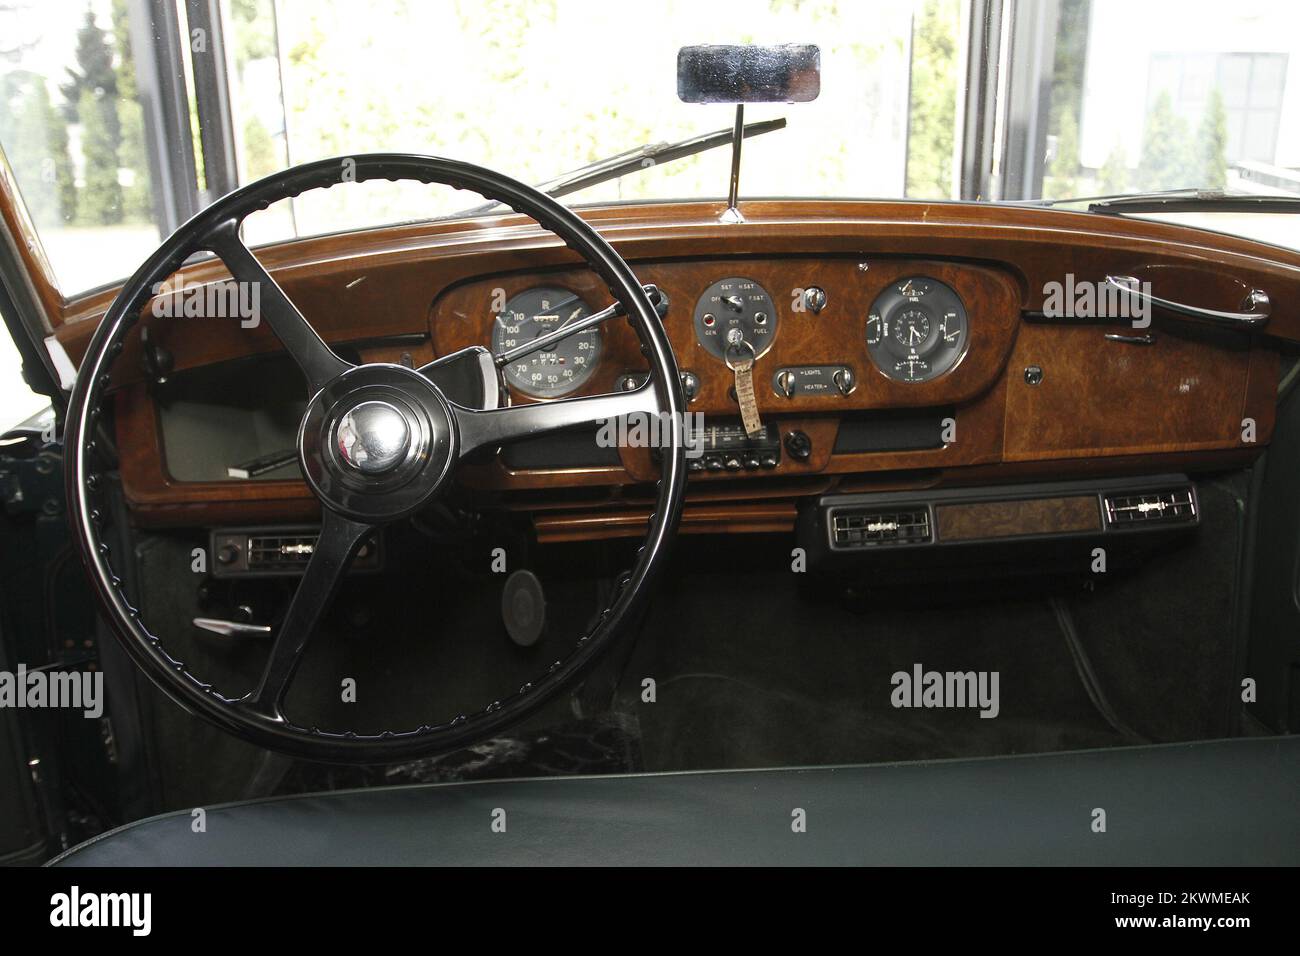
(565, 365)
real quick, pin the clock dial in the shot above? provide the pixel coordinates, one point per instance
(917, 330)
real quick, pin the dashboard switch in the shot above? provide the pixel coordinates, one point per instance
(631, 381)
(799, 445)
(814, 299)
(690, 385)
(811, 381)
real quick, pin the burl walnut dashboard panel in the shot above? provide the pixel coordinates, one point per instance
(837, 335)
(1091, 406)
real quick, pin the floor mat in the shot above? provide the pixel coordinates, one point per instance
(732, 690)
(1164, 642)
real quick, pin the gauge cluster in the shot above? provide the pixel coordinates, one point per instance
(817, 331)
(567, 364)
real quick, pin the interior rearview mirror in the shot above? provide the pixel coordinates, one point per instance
(786, 73)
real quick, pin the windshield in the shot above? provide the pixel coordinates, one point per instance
(121, 118)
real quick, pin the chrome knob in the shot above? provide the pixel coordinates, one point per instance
(814, 299)
(373, 437)
(786, 383)
(843, 379)
(690, 385)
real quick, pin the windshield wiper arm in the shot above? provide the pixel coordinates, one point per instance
(1178, 200)
(604, 170)
(639, 157)
(1212, 200)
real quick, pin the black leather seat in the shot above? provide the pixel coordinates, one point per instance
(1222, 802)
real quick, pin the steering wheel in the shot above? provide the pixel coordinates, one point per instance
(377, 443)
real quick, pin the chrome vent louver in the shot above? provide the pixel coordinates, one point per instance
(1165, 506)
(275, 551)
(271, 552)
(870, 528)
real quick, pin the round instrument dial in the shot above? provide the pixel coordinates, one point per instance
(912, 328)
(558, 370)
(917, 330)
(735, 310)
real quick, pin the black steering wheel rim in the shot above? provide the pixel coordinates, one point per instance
(213, 229)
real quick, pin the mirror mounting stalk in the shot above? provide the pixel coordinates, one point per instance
(732, 213)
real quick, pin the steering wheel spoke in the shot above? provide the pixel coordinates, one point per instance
(501, 426)
(317, 360)
(339, 540)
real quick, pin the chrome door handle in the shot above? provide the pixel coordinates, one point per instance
(1131, 339)
(1256, 305)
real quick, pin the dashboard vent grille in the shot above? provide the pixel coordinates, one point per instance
(276, 552)
(875, 528)
(272, 551)
(1150, 507)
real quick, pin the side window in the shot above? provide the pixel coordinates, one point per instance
(1184, 107)
(73, 132)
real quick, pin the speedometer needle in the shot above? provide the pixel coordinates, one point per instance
(572, 328)
(559, 307)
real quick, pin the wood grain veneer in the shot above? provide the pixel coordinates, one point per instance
(1101, 405)
(973, 521)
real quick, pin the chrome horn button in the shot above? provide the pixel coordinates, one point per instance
(377, 442)
(373, 437)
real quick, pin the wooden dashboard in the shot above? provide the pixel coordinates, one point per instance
(1030, 398)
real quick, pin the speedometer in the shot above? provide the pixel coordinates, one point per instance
(565, 365)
